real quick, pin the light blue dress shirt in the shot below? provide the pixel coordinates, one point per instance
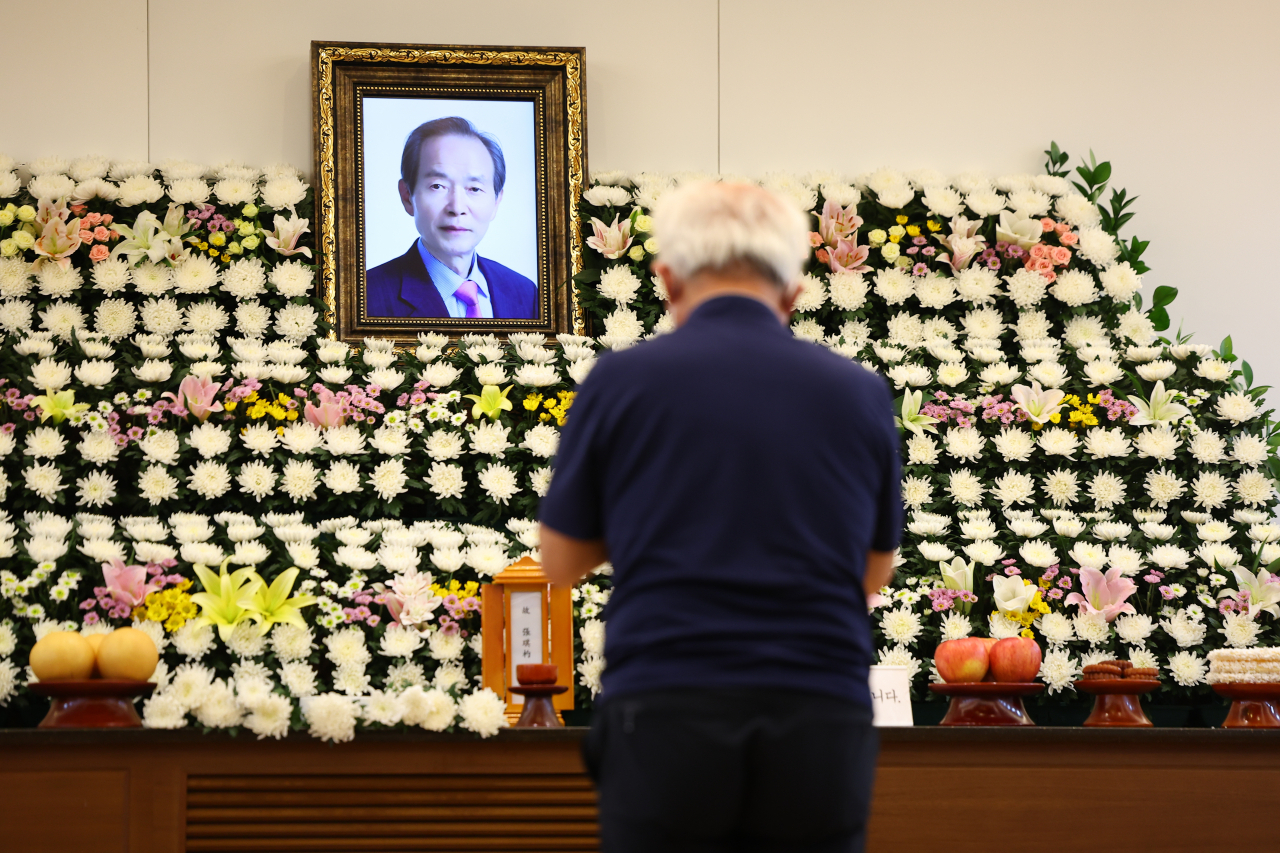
(447, 281)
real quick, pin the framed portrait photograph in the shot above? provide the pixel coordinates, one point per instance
(447, 180)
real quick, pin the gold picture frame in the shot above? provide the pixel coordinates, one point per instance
(546, 83)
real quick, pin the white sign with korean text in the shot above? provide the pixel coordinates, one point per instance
(890, 696)
(527, 621)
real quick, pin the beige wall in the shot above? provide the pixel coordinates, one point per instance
(1179, 95)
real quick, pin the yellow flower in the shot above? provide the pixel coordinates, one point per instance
(1055, 417)
(230, 405)
(532, 402)
(900, 219)
(913, 230)
(217, 238)
(933, 226)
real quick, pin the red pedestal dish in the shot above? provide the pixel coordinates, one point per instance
(987, 703)
(1253, 706)
(97, 703)
(536, 673)
(1116, 703)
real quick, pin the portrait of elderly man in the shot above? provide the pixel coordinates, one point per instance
(451, 180)
(735, 713)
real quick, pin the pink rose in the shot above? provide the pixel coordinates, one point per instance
(815, 239)
(1062, 227)
(1061, 255)
(92, 219)
(106, 218)
(86, 236)
(99, 253)
(101, 234)
(1048, 224)
(1049, 275)
(1039, 251)
(1068, 239)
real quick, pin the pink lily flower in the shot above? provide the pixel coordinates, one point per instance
(58, 242)
(288, 231)
(963, 244)
(327, 414)
(848, 256)
(610, 240)
(127, 584)
(198, 395)
(1104, 594)
(837, 223)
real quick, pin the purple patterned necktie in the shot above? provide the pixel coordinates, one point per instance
(468, 293)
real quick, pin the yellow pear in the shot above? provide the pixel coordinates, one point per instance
(95, 640)
(127, 654)
(62, 656)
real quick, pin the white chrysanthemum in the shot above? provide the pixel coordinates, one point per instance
(296, 321)
(901, 625)
(433, 710)
(483, 712)
(916, 491)
(245, 640)
(1248, 449)
(1092, 628)
(389, 479)
(1187, 668)
(400, 642)
(921, 450)
(1075, 288)
(1057, 629)
(955, 626)
(943, 200)
(542, 440)
(1059, 670)
(1254, 488)
(1120, 282)
(283, 191)
(1157, 443)
(499, 483)
(1000, 626)
(491, 439)
(1062, 487)
(292, 279)
(1014, 487)
(299, 678)
(270, 716)
(1078, 210)
(1185, 630)
(900, 655)
(163, 711)
(1015, 445)
(1207, 447)
(1211, 490)
(894, 286)
(1097, 246)
(966, 444)
(1236, 408)
(1240, 630)
(847, 290)
(1164, 486)
(342, 478)
(446, 647)
(1057, 441)
(445, 481)
(347, 647)
(1134, 628)
(1026, 287)
(331, 716)
(382, 708)
(291, 642)
(1214, 370)
(1038, 553)
(1137, 327)
(966, 487)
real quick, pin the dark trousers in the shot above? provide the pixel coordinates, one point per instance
(733, 771)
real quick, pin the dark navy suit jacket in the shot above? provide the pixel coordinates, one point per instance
(402, 288)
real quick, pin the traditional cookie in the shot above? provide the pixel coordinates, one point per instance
(1142, 673)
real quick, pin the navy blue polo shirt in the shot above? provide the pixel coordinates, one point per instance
(738, 476)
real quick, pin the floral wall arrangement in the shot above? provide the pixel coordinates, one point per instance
(302, 527)
(1074, 471)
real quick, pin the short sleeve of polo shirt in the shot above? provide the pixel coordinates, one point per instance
(572, 505)
(888, 528)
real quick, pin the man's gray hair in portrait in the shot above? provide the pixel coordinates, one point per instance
(711, 226)
(450, 126)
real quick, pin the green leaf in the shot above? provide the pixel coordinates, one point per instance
(1248, 374)
(1163, 296)
(1274, 464)
(1225, 349)
(1102, 173)
(1159, 319)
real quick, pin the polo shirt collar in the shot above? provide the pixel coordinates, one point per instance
(732, 308)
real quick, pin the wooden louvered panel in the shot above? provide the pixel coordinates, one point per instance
(387, 812)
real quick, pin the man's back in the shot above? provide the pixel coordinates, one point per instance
(743, 476)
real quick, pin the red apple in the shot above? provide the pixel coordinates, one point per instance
(963, 660)
(987, 643)
(1015, 659)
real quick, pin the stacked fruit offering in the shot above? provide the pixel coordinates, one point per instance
(126, 654)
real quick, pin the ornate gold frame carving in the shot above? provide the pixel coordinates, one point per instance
(554, 78)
